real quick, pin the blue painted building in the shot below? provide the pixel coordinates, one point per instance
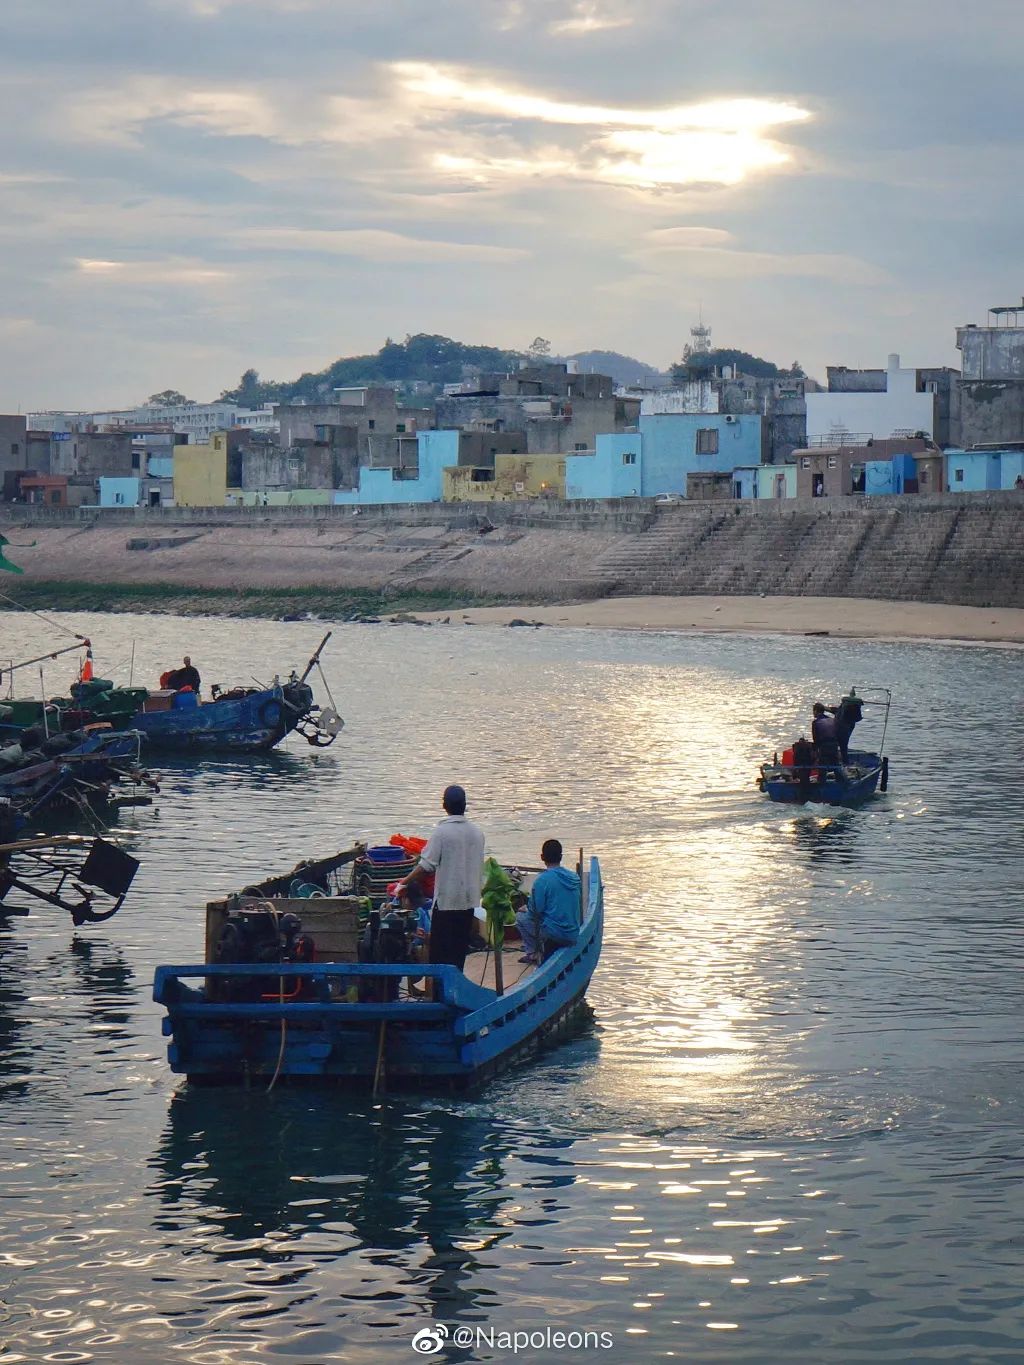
(744, 481)
(665, 449)
(118, 492)
(776, 481)
(160, 466)
(613, 471)
(435, 450)
(1011, 468)
(677, 444)
(972, 471)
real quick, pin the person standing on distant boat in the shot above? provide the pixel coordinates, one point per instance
(825, 735)
(848, 713)
(455, 854)
(552, 917)
(186, 676)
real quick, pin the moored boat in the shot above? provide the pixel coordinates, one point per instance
(239, 720)
(69, 771)
(283, 992)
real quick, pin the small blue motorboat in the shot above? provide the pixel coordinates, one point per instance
(846, 784)
(802, 774)
(312, 1009)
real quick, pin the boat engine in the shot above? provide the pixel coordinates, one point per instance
(261, 936)
(388, 937)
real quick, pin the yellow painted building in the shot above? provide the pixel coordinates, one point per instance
(514, 478)
(201, 473)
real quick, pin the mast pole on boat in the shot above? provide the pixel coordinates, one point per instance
(316, 657)
(41, 658)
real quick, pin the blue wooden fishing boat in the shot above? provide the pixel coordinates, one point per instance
(245, 721)
(802, 774)
(238, 720)
(338, 1018)
(845, 784)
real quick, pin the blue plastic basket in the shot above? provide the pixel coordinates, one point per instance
(387, 853)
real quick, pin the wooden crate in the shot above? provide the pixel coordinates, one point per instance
(333, 922)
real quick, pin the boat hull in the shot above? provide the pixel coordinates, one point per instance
(855, 783)
(463, 1037)
(247, 725)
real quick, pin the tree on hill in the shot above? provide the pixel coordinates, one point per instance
(702, 364)
(251, 391)
(425, 358)
(168, 398)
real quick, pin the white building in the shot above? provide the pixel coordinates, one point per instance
(851, 417)
(697, 395)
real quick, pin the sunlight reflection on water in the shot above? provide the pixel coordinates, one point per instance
(790, 1128)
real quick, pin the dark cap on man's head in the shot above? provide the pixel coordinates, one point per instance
(454, 799)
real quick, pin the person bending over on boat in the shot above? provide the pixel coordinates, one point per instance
(455, 854)
(848, 713)
(552, 916)
(825, 735)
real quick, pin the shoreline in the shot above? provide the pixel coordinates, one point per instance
(838, 618)
(845, 618)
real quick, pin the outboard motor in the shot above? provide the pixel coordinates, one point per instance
(260, 936)
(386, 938)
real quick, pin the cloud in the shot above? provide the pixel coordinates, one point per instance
(588, 16)
(448, 88)
(377, 244)
(119, 114)
(712, 142)
(167, 271)
(713, 253)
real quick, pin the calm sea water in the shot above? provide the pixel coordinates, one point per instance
(792, 1130)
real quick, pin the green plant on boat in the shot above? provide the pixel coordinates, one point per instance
(499, 889)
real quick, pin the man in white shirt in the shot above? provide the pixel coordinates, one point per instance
(455, 854)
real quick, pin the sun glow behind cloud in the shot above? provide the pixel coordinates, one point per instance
(716, 141)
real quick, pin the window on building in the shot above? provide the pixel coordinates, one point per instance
(400, 426)
(580, 445)
(805, 463)
(135, 459)
(833, 461)
(119, 497)
(707, 441)
(923, 476)
(628, 456)
(958, 477)
(55, 497)
(14, 447)
(371, 423)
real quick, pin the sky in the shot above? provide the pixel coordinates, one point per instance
(192, 187)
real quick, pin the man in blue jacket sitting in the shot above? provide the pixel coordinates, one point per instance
(552, 917)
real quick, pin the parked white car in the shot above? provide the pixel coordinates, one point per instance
(668, 499)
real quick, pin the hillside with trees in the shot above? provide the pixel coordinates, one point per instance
(701, 364)
(418, 362)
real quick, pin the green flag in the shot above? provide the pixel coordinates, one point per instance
(6, 563)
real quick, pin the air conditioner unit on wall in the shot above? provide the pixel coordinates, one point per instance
(730, 418)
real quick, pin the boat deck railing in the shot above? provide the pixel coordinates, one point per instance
(454, 993)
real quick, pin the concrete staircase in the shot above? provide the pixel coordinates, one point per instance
(886, 549)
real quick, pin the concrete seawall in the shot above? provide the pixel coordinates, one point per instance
(964, 549)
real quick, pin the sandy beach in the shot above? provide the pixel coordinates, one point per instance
(844, 617)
